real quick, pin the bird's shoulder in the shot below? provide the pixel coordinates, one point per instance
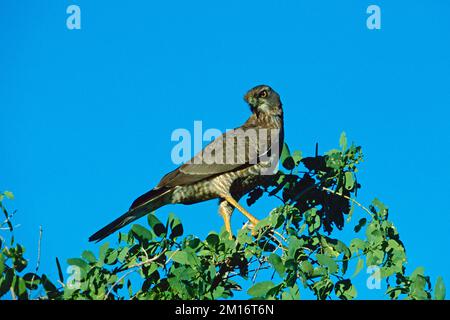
(228, 152)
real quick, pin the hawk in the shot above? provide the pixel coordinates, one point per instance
(228, 168)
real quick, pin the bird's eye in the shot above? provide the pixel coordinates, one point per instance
(263, 94)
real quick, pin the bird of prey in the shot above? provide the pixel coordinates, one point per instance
(229, 167)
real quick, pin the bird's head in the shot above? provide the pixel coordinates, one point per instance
(263, 99)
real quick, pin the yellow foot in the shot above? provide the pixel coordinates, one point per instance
(251, 227)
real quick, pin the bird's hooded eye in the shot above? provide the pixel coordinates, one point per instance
(263, 94)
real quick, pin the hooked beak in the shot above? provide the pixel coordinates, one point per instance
(250, 99)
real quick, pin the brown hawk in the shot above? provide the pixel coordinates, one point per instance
(228, 168)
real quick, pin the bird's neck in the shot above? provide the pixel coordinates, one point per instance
(269, 120)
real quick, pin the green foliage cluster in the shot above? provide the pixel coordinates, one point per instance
(293, 249)
(15, 280)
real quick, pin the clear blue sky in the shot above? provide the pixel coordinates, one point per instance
(87, 115)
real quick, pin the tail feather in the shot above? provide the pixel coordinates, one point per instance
(143, 205)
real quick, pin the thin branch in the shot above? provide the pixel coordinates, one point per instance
(261, 263)
(118, 281)
(142, 263)
(280, 235)
(38, 262)
(173, 254)
(235, 274)
(8, 229)
(134, 268)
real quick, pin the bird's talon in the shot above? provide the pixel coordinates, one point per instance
(251, 227)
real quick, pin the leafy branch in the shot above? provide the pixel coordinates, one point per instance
(293, 250)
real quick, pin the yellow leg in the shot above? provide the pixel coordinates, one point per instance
(227, 219)
(235, 204)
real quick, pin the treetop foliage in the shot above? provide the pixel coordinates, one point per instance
(293, 250)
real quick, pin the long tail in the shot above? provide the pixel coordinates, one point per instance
(143, 205)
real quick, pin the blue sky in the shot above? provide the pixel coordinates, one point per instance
(87, 115)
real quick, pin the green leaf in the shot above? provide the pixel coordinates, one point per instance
(193, 243)
(307, 267)
(192, 259)
(141, 233)
(89, 256)
(276, 219)
(382, 208)
(49, 287)
(294, 292)
(374, 233)
(157, 226)
(2, 264)
(323, 288)
(9, 195)
(286, 159)
(297, 157)
(21, 288)
(212, 239)
(175, 226)
(313, 220)
(395, 292)
(374, 257)
(418, 271)
(294, 245)
(111, 257)
(260, 289)
(349, 180)
(328, 262)
(350, 214)
(362, 222)
(359, 266)
(439, 289)
(357, 244)
(333, 247)
(79, 263)
(32, 280)
(180, 257)
(277, 263)
(345, 290)
(343, 141)
(6, 281)
(244, 236)
(102, 253)
(263, 223)
(417, 288)
(123, 254)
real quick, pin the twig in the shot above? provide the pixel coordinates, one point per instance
(134, 268)
(118, 281)
(38, 262)
(173, 254)
(280, 235)
(275, 240)
(270, 233)
(7, 228)
(222, 273)
(257, 270)
(39, 249)
(235, 274)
